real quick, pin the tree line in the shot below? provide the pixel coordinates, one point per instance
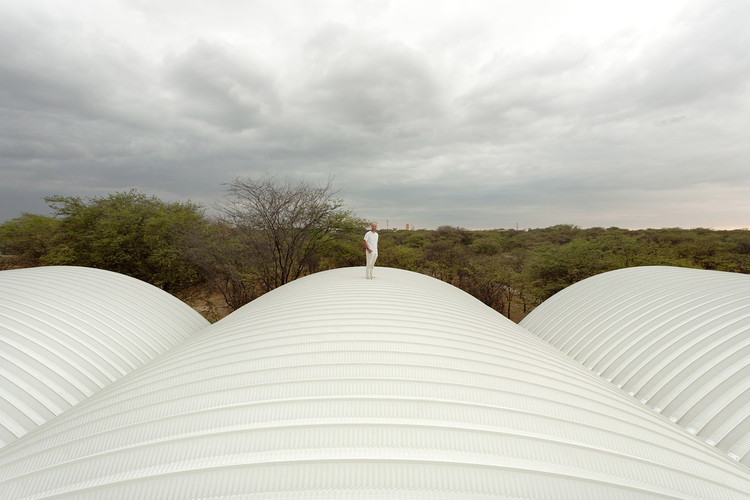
(268, 232)
(513, 271)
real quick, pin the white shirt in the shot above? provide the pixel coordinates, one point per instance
(371, 238)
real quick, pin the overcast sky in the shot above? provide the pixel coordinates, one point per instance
(479, 114)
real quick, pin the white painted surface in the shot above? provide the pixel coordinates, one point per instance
(66, 332)
(676, 339)
(335, 386)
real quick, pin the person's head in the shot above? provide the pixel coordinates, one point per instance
(374, 226)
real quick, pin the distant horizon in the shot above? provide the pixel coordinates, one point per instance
(562, 224)
(413, 227)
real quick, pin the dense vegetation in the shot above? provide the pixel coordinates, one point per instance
(176, 247)
(509, 269)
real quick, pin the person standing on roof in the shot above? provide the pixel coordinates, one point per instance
(371, 246)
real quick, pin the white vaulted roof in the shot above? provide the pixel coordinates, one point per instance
(334, 386)
(66, 332)
(677, 339)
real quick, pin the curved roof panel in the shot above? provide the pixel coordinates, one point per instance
(677, 339)
(66, 332)
(334, 386)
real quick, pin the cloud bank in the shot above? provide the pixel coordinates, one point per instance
(479, 114)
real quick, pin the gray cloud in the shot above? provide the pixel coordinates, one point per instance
(478, 117)
(372, 86)
(216, 87)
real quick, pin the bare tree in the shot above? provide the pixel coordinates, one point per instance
(223, 262)
(284, 225)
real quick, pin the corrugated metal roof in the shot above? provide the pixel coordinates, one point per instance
(676, 339)
(66, 332)
(334, 386)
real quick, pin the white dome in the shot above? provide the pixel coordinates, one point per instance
(334, 386)
(66, 332)
(677, 339)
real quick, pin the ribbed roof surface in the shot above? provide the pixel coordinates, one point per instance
(334, 386)
(66, 332)
(677, 339)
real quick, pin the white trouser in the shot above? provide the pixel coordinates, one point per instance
(371, 258)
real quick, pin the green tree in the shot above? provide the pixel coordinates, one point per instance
(488, 282)
(393, 252)
(447, 261)
(27, 239)
(556, 267)
(222, 258)
(285, 227)
(129, 233)
(344, 246)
